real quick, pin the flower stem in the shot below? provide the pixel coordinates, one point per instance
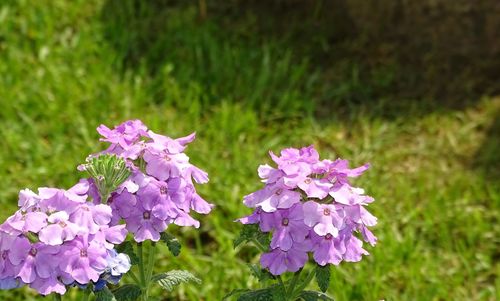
(134, 277)
(86, 295)
(141, 264)
(259, 245)
(57, 297)
(149, 268)
(151, 260)
(303, 284)
(293, 283)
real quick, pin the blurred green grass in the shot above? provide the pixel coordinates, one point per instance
(66, 67)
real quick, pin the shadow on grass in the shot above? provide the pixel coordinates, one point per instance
(487, 158)
(333, 57)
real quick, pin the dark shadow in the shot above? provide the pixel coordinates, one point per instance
(487, 159)
(395, 55)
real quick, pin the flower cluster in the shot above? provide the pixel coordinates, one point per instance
(160, 190)
(309, 205)
(57, 238)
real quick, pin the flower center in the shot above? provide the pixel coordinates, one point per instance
(307, 181)
(62, 224)
(279, 191)
(328, 236)
(167, 158)
(285, 221)
(326, 211)
(5, 254)
(333, 180)
(33, 252)
(83, 253)
(163, 189)
(146, 215)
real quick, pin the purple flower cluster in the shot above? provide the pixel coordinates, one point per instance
(57, 238)
(160, 190)
(309, 205)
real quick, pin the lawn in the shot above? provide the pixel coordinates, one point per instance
(66, 67)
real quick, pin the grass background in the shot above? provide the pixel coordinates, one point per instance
(248, 83)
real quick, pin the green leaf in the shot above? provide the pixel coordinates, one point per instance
(235, 292)
(128, 248)
(279, 293)
(323, 277)
(173, 278)
(259, 273)
(265, 294)
(127, 292)
(250, 232)
(314, 296)
(173, 244)
(104, 295)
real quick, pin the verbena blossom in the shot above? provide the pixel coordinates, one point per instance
(57, 238)
(310, 206)
(160, 191)
(60, 238)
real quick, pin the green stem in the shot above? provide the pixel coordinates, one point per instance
(134, 277)
(149, 268)
(151, 260)
(303, 284)
(259, 245)
(282, 284)
(57, 297)
(293, 283)
(86, 295)
(141, 265)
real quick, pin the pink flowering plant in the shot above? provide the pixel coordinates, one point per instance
(307, 211)
(108, 224)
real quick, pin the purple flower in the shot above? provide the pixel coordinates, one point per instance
(84, 258)
(124, 134)
(91, 217)
(46, 286)
(10, 283)
(308, 200)
(167, 196)
(325, 219)
(289, 227)
(273, 197)
(147, 219)
(279, 261)
(33, 260)
(328, 249)
(163, 165)
(6, 266)
(59, 230)
(24, 222)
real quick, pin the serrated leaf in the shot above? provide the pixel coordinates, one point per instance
(171, 279)
(314, 296)
(250, 232)
(259, 273)
(265, 294)
(323, 277)
(235, 292)
(173, 244)
(127, 292)
(279, 293)
(128, 248)
(104, 295)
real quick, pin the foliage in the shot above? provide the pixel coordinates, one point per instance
(173, 278)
